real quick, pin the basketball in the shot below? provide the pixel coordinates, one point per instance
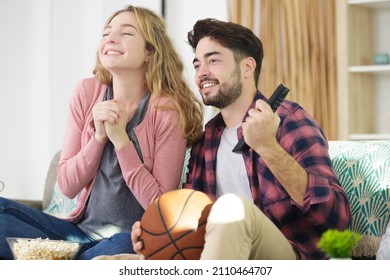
(174, 225)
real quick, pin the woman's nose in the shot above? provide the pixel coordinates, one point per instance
(111, 38)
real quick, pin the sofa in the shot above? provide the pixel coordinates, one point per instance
(363, 168)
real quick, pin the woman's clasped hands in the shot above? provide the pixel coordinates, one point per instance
(110, 120)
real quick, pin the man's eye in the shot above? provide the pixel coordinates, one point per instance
(105, 34)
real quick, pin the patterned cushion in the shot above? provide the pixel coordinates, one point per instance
(60, 206)
(363, 168)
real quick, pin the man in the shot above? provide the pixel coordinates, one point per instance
(275, 200)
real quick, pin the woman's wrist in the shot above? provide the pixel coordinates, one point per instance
(101, 139)
(121, 142)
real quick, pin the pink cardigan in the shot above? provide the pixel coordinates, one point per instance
(161, 141)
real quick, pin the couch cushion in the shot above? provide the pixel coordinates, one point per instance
(363, 168)
(51, 180)
(60, 206)
(54, 202)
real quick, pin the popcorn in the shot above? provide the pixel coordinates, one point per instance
(44, 249)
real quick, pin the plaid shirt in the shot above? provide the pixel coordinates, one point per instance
(325, 204)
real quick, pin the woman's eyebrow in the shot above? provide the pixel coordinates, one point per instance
(123, 25)
(128, 25)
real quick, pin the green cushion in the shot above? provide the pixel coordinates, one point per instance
(60, 206)
(363, 168)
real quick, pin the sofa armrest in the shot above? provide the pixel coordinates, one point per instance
(37, 204)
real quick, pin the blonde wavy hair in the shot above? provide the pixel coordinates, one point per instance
(164, 73)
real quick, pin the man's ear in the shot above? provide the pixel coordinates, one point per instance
(249, 67)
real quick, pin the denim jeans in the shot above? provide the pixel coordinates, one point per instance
(17, 220)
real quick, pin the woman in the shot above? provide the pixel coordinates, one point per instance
(125, 139)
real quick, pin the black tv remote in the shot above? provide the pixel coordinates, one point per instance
(274, 101)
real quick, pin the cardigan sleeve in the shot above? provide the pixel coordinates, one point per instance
(81, 152)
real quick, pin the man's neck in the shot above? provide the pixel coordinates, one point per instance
(234, 113)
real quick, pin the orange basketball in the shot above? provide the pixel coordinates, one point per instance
(173, 226)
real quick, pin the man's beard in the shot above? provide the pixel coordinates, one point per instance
(228, 93)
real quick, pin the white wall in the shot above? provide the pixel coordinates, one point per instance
(382, 81)
(24, 54)
(180, 18)
(47, 46)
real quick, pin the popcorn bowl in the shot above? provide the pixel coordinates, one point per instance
(42, 249)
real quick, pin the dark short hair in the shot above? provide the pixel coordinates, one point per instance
(239, 39)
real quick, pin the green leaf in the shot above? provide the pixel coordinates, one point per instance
(338, 244)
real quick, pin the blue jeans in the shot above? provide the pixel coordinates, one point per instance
(17, 220)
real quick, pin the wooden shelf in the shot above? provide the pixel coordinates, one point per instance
(369, 68)
(369, 137)
(370, 3)
(362, 86)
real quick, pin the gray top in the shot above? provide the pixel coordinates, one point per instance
(231, 173)
(112, 207)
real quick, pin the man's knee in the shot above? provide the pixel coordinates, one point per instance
(229, 208)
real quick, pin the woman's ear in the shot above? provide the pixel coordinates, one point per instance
(148, 56)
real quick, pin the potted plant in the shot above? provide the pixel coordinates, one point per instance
(338, 244)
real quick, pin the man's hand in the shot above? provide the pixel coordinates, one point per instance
(137, 244)
(260, 126)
